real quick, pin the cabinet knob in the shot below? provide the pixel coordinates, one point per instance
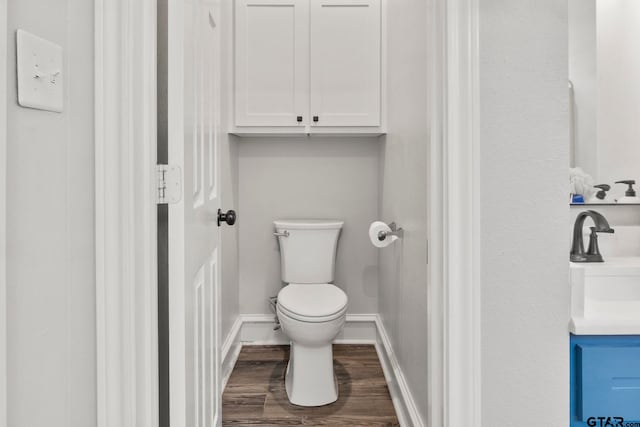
(299, 119)
(316, 118)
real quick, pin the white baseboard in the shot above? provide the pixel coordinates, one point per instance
(401, 396)
(230, 350)
(257, 329)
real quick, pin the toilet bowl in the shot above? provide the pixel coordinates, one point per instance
(311, 316)
(310, 309)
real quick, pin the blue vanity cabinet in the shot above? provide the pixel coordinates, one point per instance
(605, 380)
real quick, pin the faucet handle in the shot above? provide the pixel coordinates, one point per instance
(593, 251)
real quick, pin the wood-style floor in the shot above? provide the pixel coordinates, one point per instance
(255, 394)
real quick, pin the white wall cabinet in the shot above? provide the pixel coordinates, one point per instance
(345, 63)
(308, 66)
(271, 60)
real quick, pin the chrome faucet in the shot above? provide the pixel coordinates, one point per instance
(592, 254)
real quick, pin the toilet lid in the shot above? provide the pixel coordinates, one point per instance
(316, 300)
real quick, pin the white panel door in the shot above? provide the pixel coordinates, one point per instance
(346, 57)
(271, 62)
(194, 112)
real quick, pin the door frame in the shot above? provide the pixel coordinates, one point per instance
(3, 210)
(126, 222)
(454, 212)
(126, 264)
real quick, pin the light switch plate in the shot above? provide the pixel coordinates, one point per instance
(40, 73)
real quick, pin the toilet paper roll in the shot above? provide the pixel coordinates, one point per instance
(375, 228)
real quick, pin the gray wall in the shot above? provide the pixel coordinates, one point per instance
(50, 224)
(230, 291)
(524, 137)
(404, 162)
(308, 178)
(162, 40)
(229, 180)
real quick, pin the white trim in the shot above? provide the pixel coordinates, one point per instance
(279, 132)
(257, 329)
(125, 150)
(232, 339)
(454, 294)
(230, 351)
(403, 402)
(3, 211)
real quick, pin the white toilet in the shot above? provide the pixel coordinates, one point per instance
(310, 309)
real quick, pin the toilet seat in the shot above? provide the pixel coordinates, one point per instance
(312, 302)
(308, 319)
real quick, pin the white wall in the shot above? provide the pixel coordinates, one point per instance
(403, 266)
(307, 178)
(50, 239)
(618, 92)
(583, 75)
(616, 215)
(524, 139)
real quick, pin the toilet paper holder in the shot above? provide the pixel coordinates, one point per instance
(395, 231)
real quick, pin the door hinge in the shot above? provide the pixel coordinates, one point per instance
(169, 184)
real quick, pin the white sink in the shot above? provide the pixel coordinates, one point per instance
(625, 242)
(605, 297)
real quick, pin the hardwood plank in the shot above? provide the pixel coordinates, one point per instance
(361, 406)
(352, 421)
(264, 353)
(262, 422)
(255, 393)
(244, 406)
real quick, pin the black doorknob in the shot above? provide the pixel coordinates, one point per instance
(229, 217)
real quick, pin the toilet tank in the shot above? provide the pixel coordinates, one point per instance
(308, 251)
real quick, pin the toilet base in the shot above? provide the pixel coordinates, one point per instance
(310, 380)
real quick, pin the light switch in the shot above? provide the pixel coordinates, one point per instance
(40, 73)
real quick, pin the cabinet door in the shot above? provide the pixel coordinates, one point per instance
(271, 62)
(345, 62)
(609, 378)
